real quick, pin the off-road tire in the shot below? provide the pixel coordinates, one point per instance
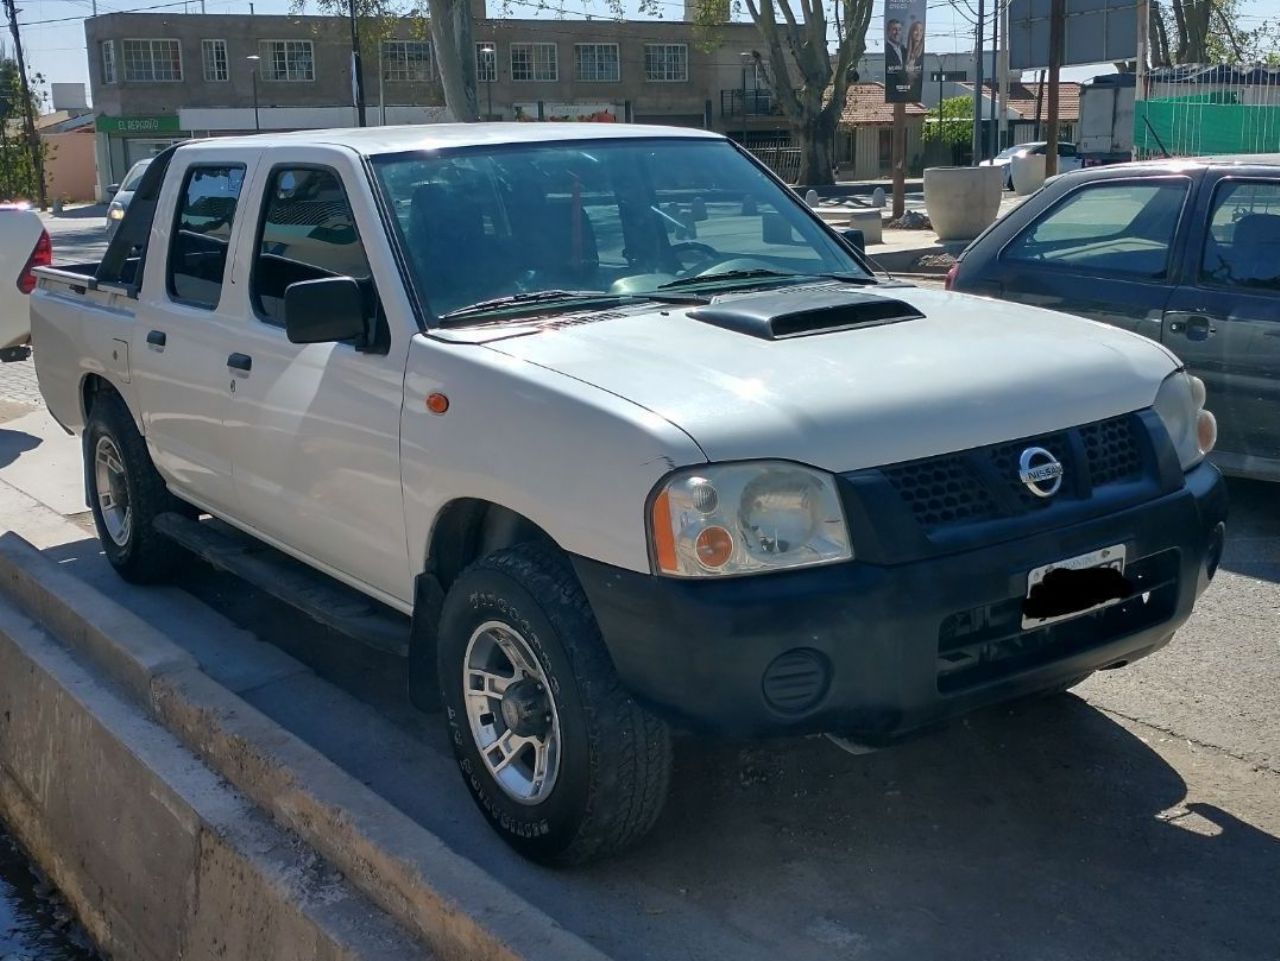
(147, 556)
(615, 756)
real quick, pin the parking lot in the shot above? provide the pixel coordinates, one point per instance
(1138, 817)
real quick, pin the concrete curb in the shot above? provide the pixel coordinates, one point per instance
(158, 856)
(458, 909)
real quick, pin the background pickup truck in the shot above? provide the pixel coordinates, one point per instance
(633, 438)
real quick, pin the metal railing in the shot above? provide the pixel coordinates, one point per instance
(747, 103)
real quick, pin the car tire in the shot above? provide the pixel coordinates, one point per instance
(1008, 180)
(126, 494)
(562, 761)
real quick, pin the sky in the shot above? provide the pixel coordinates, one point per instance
(53, 35)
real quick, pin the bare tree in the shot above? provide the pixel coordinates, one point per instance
(809, 83)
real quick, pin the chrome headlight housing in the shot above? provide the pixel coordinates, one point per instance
(726, 519)
(1193, 430)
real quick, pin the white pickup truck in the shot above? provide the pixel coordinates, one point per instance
(633, 437)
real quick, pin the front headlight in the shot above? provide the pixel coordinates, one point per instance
(115, 213)
(724, 519)
(1193, 430)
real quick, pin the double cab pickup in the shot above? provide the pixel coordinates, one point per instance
(635, 440)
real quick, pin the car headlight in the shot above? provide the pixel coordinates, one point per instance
(725, 519)
(115, 213)
(1193, 430)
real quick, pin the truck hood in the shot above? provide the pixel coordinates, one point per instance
(968, 373)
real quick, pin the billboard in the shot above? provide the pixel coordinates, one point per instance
(903, 50)
(1097, 31)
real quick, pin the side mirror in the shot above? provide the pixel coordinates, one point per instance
(112, 190)
(323, 311)
(854, 238)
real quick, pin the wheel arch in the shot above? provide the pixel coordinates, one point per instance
(465, 530)
(93, 385)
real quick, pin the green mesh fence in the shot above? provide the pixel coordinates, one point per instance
(1203, 124)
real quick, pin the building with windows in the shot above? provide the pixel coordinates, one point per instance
(157, 78)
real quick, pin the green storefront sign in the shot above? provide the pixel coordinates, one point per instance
(138, 125)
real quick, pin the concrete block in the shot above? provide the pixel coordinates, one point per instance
(870, 223)
(128, 649)
(158, 856)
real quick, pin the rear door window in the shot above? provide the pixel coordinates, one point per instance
(308, 232)
(1242, 248)
(202, 234)
(1116, 228)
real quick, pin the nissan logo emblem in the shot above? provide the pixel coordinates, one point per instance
(1040, 471)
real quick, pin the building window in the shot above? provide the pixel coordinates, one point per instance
(486, 62)
(666, 62)
(407, 61)
(596, 62)
(534, 61)
(152, 60)
(108, 61)
(287, 60)
(215, 60)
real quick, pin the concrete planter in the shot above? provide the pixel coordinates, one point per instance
(1028, 173)
(962, 201)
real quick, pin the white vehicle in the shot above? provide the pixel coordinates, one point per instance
(24, 245)
(1068, 158)
(635, 440)
(122, 194)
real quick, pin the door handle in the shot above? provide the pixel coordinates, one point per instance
(156, 338)
(1193, 326)
(240, 362)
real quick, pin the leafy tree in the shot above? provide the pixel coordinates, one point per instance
(21, 166)
(809, 80)
(952, 124)
(1210, 31)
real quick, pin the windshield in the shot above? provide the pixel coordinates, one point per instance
(134, 175)
(624, 217)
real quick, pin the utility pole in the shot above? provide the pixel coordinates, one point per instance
(1003, 69)
(357, 74)
(899, 160)
(995, 84)
(977, 87)
(28, 110)
(1140, 81)
(1057, 24)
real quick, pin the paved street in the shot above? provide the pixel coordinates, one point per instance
(1138, 818)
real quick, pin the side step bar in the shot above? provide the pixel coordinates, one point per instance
(321, 598)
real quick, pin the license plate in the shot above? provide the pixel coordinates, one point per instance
(1087, 583)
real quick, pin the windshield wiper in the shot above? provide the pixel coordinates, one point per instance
(565, 297)
(731, 275)
(764, 273)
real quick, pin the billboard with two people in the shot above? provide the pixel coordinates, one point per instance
(903, 50)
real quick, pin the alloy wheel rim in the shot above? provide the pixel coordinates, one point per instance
(112, 490)
(511, 712)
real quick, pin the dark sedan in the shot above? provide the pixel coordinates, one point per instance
(1186, 252)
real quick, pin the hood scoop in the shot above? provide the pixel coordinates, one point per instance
(785, 314)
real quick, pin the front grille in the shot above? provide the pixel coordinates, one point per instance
(941, 491)
(983, 484)
(1112, 451)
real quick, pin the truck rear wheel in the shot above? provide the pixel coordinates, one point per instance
(126, 493)
(564, 763)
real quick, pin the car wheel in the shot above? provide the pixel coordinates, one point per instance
(1008, 180)
(126, 493)
(563, 762)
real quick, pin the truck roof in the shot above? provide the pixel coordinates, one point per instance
(377, 140)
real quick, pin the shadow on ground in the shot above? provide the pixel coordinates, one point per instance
(1043, 830)
(15, 443)
(1253, 530)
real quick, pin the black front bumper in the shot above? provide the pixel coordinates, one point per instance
(875, 651)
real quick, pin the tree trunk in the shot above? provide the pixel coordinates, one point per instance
(815, 135)
(456, 57)
(1160, 48)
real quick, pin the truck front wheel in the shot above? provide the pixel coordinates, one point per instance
(565, 765)
(126, 494)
